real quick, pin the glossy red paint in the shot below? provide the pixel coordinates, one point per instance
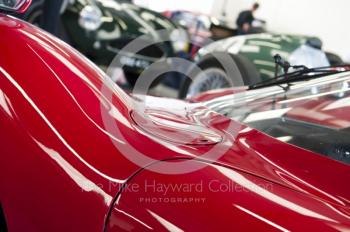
(212, 94)
(218, 198)
(327, 112)
(61, 171)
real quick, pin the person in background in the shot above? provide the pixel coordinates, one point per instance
(52, 13)
(245, 19)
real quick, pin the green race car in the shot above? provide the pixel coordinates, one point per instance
(253, 59)
(100, 29)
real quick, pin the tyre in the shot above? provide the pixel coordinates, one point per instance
(334, 59)
(214, 76)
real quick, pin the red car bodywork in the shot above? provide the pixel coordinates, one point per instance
(61, 171)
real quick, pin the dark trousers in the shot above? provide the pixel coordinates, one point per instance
(51, 19)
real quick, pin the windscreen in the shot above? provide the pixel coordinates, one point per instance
(314, 114)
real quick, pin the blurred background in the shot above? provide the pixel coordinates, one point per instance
(309, 33)
(328, 20)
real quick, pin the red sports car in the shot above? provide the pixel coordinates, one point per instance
(78, 154)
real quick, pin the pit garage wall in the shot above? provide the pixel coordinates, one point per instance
(327, 19)
(203, 6)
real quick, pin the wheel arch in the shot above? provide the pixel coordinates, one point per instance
(246, 68)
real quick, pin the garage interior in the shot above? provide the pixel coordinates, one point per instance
(174, 115)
